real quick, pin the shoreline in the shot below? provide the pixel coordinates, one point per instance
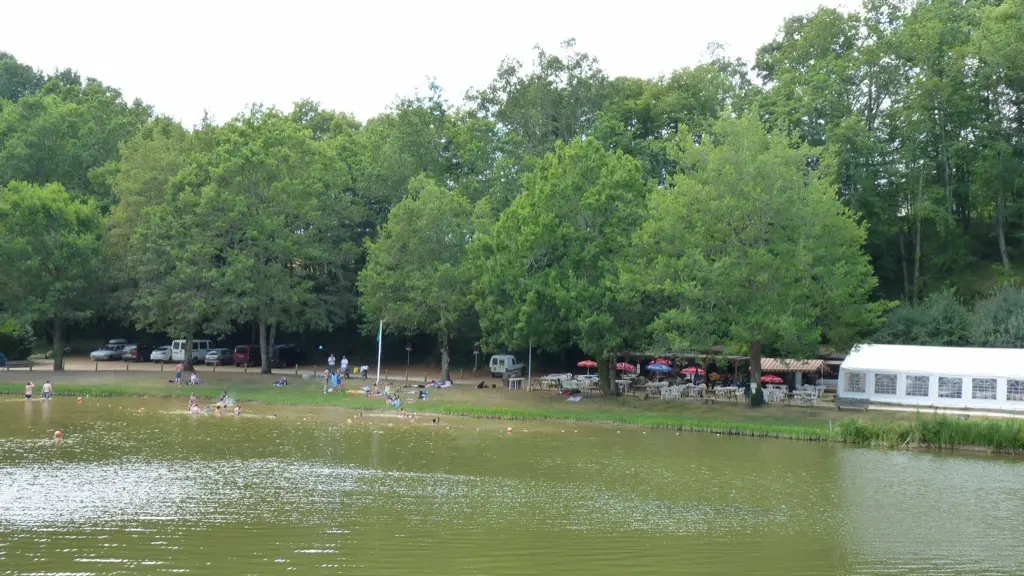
(926, 431)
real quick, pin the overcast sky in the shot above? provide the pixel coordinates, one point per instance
(188, 56)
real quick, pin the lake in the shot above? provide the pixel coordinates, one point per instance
(139, 487)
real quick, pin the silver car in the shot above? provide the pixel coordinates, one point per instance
(219, 357)
(161, 354)
(112, 351)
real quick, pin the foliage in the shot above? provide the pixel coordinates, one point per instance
(16, 339)
(998, 321)
(548, 271)
(941, 320)
(416, 279)
(51, 258)
(749, 247)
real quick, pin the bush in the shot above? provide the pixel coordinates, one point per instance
(757, 397)
(16, 340)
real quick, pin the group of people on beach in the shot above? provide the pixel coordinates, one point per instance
(47, 390)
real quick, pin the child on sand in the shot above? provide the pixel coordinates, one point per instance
(28, 390)
(47, 390)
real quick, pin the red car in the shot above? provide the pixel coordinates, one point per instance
(247, 355)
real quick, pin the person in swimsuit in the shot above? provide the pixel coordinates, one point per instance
(192, 401)
(238, 409)
(28, 390)
(47, 390)
(177, 372)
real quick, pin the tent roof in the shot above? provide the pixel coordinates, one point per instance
(787, 365)
(941, 361)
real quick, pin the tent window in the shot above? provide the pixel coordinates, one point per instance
(1015, 390)
(984, 389)
(855, 382)
(885, 384)
(918, 385)
(950, 387)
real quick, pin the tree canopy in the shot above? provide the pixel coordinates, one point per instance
(878, 158)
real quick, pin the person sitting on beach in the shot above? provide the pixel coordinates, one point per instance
(193, 380)
(283, 381)
(47, 390)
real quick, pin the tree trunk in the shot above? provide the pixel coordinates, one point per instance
(273, 335)
(605, 371)
(903, 265)
(264, 349)
(58, 345)
(187, 352)
(612, 388)
(1001, 231)
(445, 361)
(755, 362)
(917, 237)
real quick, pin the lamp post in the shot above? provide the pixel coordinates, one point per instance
(476, 357)
(408, 353)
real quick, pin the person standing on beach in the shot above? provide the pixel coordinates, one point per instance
(178, 369)
(344, 365)
(47, 390)
(330, 364)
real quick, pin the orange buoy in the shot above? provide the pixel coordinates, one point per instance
(58, 434)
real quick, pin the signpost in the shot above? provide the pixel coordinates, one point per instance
(408, 353)
(476, 357)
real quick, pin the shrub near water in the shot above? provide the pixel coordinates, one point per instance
(939, 431)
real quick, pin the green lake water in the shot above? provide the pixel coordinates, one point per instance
(156, 491)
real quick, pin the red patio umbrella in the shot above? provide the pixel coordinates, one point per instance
(625, 367)
(692, 370)
(588, 364)
(664, 361)
(771, 379)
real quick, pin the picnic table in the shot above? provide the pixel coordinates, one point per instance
(515, 383)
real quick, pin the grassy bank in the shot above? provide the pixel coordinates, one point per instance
(875, 428)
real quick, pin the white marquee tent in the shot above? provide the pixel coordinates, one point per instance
(991, 378)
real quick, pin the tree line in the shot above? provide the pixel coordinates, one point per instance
(864, 165)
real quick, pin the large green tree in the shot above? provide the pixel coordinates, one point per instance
(416, 278)
(548, 270)
(284, 235)
(51, 258)
(749, 247)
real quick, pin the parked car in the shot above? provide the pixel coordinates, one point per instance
(136, 353)
(112, 351)
(218, 357)
(161, 354)
(247, 355)
(500, 364)
(285, 355)
(199, 350)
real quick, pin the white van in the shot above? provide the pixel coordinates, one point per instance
(199, 350)
(501, 363)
